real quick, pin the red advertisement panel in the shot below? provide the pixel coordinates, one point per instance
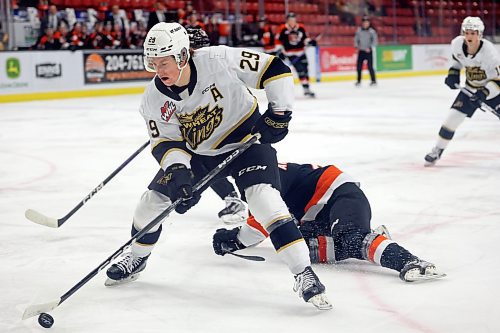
(338, 59)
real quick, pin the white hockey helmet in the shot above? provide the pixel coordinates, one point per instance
(473, 23)
(166, 39)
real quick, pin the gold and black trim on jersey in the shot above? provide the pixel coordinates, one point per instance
(274, 69)
(164, 147)
(239, 132)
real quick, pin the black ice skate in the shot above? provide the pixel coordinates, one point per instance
(126, 270)
(419, 270)
(235, 210)
(309, 93)
(309, 287)
(433, 156)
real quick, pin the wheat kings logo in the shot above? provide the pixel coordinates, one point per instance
(198, 126)
(475, 73)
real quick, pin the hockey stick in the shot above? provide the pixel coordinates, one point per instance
(37, 309)
(37, 217)
(242, 256)
(484, 106)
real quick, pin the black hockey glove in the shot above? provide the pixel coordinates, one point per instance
(271, 126)
(226, 241)
(479, 97)
(179, 181)
(453, 78)
(185, 205)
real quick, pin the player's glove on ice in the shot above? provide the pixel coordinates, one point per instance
(179, 181)
(271, 126)
(226, 241)
(453, 78)
(479, 97)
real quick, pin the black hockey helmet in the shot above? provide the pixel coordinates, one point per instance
(197, 38)
(290, 15)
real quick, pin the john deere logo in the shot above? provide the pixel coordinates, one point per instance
(13, 68)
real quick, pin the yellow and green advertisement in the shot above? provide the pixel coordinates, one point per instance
(394, 57)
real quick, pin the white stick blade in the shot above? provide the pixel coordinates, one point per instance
(39, 218)
(36, 309)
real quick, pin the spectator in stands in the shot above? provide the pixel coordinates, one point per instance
(62, 34)
(118, 17)
(99, 38)
(52, 20)
(48, 41)
(193, 22)
(293, 38)
(344, 10)
(77, 37)
(212, 30)
(119, 40)
(161, 14)
(137, 34)
(189, 9)
(364, 41)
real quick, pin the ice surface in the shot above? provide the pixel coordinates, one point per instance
(53, 153)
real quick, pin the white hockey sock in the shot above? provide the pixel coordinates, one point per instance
(450, 125)
(141, 250)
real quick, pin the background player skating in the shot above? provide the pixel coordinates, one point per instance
(482, 76)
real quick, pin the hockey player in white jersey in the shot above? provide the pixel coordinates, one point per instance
(197, 109)
(235, 210)
(482, 77)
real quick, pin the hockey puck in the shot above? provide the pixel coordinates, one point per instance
(45, 320)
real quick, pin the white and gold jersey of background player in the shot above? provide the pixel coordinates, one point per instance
(480, 68)
(216, 112)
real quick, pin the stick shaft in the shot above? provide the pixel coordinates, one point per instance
(207, 178)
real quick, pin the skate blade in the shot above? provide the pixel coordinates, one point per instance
(422, 278)
(321, 302)
(429, 164)
(110, 282)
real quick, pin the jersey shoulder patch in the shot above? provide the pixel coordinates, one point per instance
(218, 52)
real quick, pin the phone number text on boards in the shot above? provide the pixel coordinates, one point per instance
(121, 62)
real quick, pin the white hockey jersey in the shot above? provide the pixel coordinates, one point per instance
(217, 110)
(480, 68)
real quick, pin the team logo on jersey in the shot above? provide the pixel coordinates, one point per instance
(198, 126)
(475, 73)
(167, 110)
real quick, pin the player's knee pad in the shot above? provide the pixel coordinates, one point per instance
(151, 204)
(373, 246)
(321, 250)
(266, 205)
